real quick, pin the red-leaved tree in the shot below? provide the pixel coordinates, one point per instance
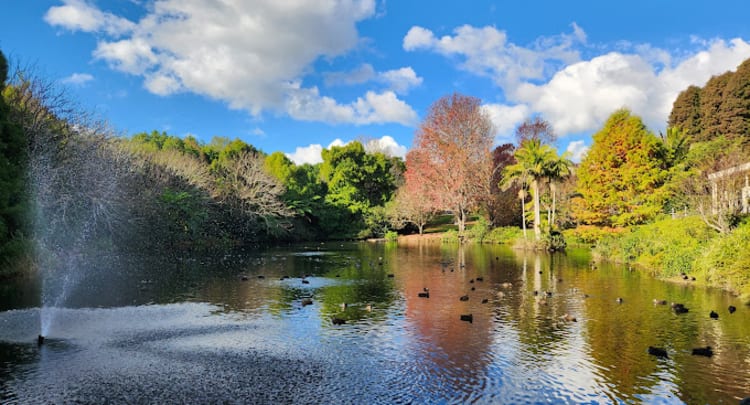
(451, 158)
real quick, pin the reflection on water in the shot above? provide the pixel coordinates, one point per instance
(241, 328)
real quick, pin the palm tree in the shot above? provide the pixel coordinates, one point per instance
(532, 159)
(558, 169)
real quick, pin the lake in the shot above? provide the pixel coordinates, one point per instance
(240, 328)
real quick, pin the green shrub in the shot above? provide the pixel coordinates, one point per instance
(504, 235)
(726, 262)
(450, 236)
(554, 241)
(665, 248)
(391, 236)
(478, 231)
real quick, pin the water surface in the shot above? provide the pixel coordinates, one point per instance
(233, 328)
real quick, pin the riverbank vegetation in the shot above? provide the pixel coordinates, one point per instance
(671, 203)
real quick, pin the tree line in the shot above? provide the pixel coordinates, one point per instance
(62, 171)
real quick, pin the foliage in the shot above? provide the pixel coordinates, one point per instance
(478, 230)
(726, 260)
(532, 161)
(451, 155)
(450, 236)
(620, 180)
(720, 108)
(391, 236)
(13, 197)
(665, 248)
(589, 234)
(535, 129)
(554, 241)
(503, 235)
(501, 205)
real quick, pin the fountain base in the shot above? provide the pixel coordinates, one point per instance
(40, 340)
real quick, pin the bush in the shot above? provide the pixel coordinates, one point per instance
(479, 230)
(391, 236)
(450, 236)
(666, 248)
(726, 261)
(554, 241)
(504, 235)
(589, 234)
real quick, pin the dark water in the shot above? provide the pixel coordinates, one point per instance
(190, 330)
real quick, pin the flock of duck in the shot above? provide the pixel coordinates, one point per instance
(678, 308)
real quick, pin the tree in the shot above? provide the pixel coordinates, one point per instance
(410, 207)
(712, 98)
(535, 128)
(735, 107)
(558, 169)
(500, 205)
(620, 179)
(452, 154)
(686, 112)
(532, 162)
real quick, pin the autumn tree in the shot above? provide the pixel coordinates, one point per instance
(452, 154)
(537, 129)
(621, 177)
(500, 205)
(410, 207)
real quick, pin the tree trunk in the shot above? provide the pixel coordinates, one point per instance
(537, 213)
(523, 216)
(553, 191)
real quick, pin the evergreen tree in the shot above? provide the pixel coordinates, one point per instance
(711, 100)
(620, 179)
(686, 112)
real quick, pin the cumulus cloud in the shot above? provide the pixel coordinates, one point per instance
(306, 104)
(486, 51)
(306, 154)
(399, 81)
(387, 145)
(577, 150)
(79, 15)
(251, 55)
(78, 79)
(506, 118)
(549, 77)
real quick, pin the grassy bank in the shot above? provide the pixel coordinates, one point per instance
(669, 247)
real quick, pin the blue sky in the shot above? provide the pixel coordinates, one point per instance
(297, 76)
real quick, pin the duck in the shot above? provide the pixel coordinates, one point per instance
(261, 277)
(506, 285)
(542, 301)
(338, 321)
(500, 294)
(660, 302)
(658, 352)
(713, 315)
(703, 351)
(471, 281)
(480, 278)
(679, 308)
(619, 300)
(569, 318)
(368, 307)
(484, 301)
(473, 288)
(423, 295)
(307, 301)
(467, 317)
(344, 305)
(305, 281)
(244, 278)
(732, 308)
(391, 275)
(464, 298)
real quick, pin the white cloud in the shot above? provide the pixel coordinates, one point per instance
(486, 51)
(577, 151)
(306, 154)
(79, 15)
(387, 145)
(78, 79)
(251, 55)
(312, 153)
(374, 108)
(399, 81)
(548, 77)
(506, 118)
(257, 131)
